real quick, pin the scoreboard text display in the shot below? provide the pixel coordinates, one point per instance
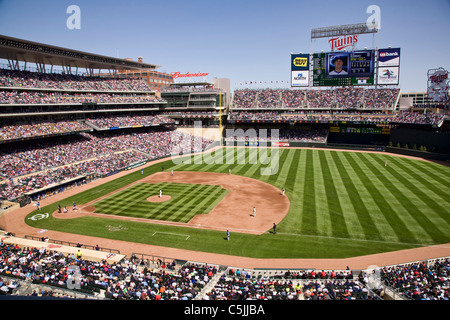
(343, 68)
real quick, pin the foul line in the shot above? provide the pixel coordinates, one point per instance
(175, 234)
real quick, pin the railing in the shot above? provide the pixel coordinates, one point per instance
(73, 244)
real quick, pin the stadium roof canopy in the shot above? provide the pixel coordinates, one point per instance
(15, 50)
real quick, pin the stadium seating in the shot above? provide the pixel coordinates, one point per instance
(342, 98)
(420, 280)
(65, 82)
(49, 162)
(135, 279)
(327, 116)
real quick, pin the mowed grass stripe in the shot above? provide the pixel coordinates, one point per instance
(252, 170)
(177, 203)
(191, 207)
(294, 184)
(428, 170)
(414, 187)
(417, 223)
(385, 200)
(309, 219)
(354, 212)
(242, 169)
(429, 212)
(338, 218)
(118, 204)
(436, 192)
(284, 169)
(165, 209)
(325, 215)
(371, 219)
(399, 198)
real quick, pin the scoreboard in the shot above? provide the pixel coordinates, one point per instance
(343, 68)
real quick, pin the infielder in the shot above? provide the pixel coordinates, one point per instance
(160, 193)
(254, 211)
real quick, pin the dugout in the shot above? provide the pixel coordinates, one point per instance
(58, 187)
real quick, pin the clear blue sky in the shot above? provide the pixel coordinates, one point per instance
(243, 40)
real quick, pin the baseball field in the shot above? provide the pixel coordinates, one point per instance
(337, 204)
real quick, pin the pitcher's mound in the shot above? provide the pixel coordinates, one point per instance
(158, 199)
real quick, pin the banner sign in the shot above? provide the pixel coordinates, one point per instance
(299, 70)
(388, 75)
(389, 57)
(176, 75)
(438, 84)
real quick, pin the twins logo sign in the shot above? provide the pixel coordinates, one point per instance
(438, 85)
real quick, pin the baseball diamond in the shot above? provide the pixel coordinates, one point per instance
(220, 170)
(342, 204)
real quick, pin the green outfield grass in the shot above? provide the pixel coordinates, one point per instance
(187, 200)
(342, 204)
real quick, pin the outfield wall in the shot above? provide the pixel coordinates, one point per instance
(434, 141)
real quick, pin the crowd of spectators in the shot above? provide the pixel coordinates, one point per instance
(103, 165)
(239, 288)
(418, 118)
(284, 134)
(191, 114)
(336, 290)
(41, 97)
(420, 280)
(129, 121)
(135, 279)
(125, 280)
(244, 98)
(327, 116)
(39, 164)
(341, 98)
(39, 128)
(27, 79)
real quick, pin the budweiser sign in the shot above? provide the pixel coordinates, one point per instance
(340, 43)
(188, 75)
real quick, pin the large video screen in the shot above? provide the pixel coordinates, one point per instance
(343, 68)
